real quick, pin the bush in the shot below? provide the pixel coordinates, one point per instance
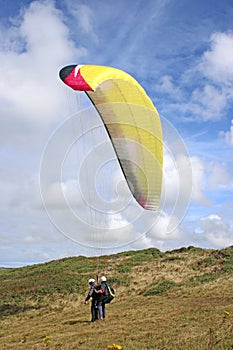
(206, 278)
(158, 288)
(124, 269)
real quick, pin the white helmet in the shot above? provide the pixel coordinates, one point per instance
(103, 279)
(91, 280)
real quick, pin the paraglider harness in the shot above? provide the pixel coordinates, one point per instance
(109, 293)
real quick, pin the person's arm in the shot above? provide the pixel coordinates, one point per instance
(88, 295)
(101, 290)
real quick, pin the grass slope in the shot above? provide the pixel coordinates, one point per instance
(182, 299)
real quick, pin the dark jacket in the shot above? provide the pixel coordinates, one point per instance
(92, 294)
(102, 291)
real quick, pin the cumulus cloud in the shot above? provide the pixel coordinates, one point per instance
(218, 176)
(209, 102)
(168, 86)
(217, 232)
(228, 135)
(112, 219)
(216, 66)
(31, 101)
(208, 176)
(177, 177)
(63, 194)
(84, 17)
(30, 92)
(198, 170)
(161, 229)
(212, 82)
(217, 62)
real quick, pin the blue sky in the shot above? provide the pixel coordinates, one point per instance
(181, 52)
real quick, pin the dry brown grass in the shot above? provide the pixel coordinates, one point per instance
(192, 315)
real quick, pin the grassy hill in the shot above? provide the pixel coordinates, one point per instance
(182, 299)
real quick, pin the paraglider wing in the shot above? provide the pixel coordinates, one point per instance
(132, 123)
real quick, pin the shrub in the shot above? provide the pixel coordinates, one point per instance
(206, 278)
(124, 269)
(158, 288)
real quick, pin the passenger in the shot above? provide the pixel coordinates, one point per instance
(92, 294)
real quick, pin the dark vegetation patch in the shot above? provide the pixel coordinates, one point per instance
(159, 288)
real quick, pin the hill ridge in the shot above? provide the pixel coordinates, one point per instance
(179, 299)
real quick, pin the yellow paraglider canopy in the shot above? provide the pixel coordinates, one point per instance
(132, 122)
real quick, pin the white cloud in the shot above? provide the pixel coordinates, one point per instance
(31, 239)
(32, 99)
(83, 14)
(209, 102)
(63, 194)
(161, 230)
(228, 135)
(216, 67)
(217, 62)
(210, 82)
(218, 176)
(198, 170)
(177, 177)
(171, 180)
(30, 91)
(217, 232)
(167, 86)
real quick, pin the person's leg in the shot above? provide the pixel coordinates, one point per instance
(100, 309)
(104, 310)
(93, 313)
(96, 311)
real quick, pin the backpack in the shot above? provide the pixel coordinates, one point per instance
(109, 294)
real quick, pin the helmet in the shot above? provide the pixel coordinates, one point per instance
(91, 280)
(103, 279)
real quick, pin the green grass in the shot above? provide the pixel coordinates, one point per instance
(180, 299)
(206, 278)
(159, 288)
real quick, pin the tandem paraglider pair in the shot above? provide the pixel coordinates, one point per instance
(100, 294)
